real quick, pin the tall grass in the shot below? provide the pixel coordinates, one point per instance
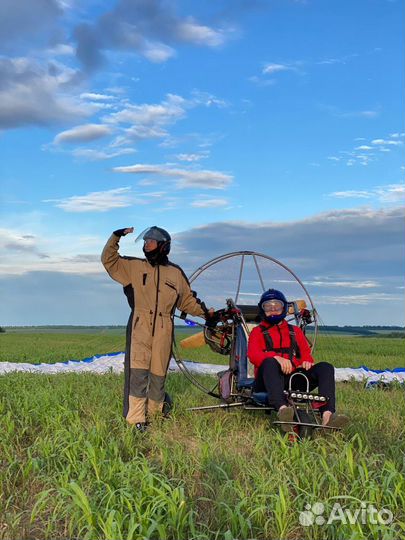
(70, 467)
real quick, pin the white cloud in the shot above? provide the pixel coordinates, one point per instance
(359, 299)
(147, 121)
(391, 193)
(363, 159)
(98, 201)
(207, 99)
(192, 157)
(384, 142)
(62, 49)
(369, 284)
(158, 52)
(209, 203)
(169, 110)
(269, 69)
(199, 34)
(84, 133)
(96, 97)
(351, 194)
(154, 194)
(370, 149)
(184, 178)
(96, 155)
(139, 133)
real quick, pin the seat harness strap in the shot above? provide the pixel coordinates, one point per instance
(292, 350)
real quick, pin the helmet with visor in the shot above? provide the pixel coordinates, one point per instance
(273, 306)
(163, 243)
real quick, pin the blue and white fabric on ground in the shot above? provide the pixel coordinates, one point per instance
(114, 363)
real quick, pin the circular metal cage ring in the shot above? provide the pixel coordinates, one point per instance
(243, 255)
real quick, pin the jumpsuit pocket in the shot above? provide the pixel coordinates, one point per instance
(135, 322)
(171, 285)
(171, 296)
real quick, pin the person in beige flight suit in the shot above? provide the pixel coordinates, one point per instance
(158, 287)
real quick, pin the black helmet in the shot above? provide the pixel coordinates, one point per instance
(156, 233)
(163, 239)
(272, 295)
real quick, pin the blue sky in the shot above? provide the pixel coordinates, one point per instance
(274, 126)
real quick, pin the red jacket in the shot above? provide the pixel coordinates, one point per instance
(280, 335)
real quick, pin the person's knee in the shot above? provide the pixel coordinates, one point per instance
(138, 382)
(325, 367)
(270, 363)
(156, 387)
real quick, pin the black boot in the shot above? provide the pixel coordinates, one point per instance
(141, 426)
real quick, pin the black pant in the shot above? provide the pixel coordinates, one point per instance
(272, 380)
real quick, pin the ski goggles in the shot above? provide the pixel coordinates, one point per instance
(273, 305)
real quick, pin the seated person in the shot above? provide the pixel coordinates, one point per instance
(277, 350)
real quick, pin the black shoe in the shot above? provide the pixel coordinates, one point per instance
(141, 426)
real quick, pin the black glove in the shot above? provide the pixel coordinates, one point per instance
(212, 320)
(120, 232)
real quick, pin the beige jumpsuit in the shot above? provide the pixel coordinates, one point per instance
(158, 290)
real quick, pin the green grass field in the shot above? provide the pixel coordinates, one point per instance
(341, 351)
(70, 467)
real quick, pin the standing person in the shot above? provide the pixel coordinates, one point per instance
(154, 288)
(278, 349)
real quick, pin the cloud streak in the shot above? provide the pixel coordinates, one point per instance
(368, 152)
(184, 178)
(97, 201)
(391, 193)
(270, 69)
(15, 244)
(84, 133)
(210, 203)
(92, 154)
